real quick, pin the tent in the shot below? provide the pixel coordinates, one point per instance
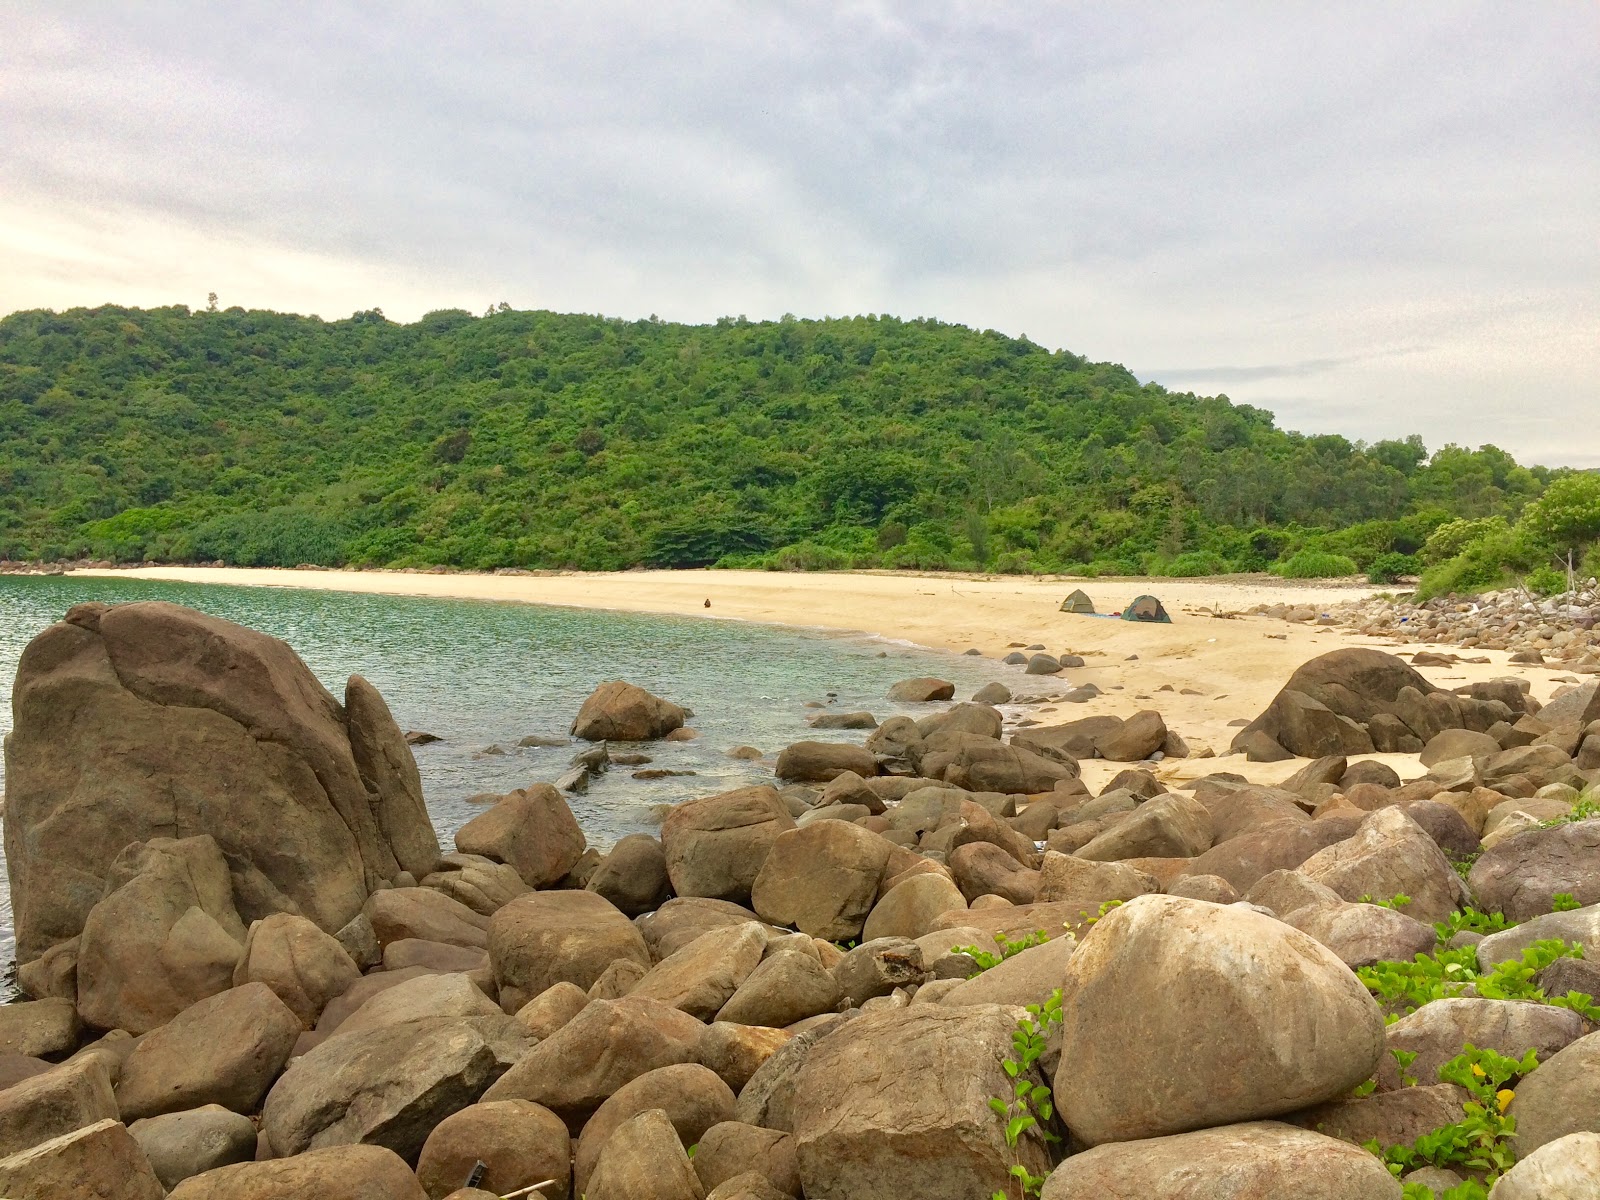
(1146, 608)
(1078, 603)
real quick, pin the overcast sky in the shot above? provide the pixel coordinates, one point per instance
(1371, 219)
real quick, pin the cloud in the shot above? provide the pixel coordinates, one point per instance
(1391, 207)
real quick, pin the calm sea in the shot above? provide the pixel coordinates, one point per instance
(482, 674)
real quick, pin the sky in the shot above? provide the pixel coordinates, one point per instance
(1371, 219)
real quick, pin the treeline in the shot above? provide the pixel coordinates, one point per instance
(538, 439)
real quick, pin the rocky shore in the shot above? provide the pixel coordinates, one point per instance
(931, 961)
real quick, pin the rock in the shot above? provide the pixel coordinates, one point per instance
(449, 995)
(360, 941)
(644, 1160)
(1561, 1097)
(908, 909)
(1081, 885)
(1363, 934)
(1140, 736)
(14, 1068)
(1157, 982)
(691, 1097)
(1520, 875)
(304, 967)
(992, 693)
(1043, 664)
(1438, 1031)
(896, 1103)
(1369, 771)
(54, 1103)
(39, 1029)
(1445, 825)
(1025, 978)
(183, 1144)
(1259, 746)
(851, 720)
(1457, 743)
(1395, 1118)
(1170, 826)
(633, 876)
(171, 711)
(1580, 926)
(620, 712)
(388, 1086)
(768, 1098)
(922, 690)
(545, 937)
(1565, 1169)
(984, 765)
(166, 936)
(819, 762)
(785, 988)
(434, 957)
(700, 978)
(1211, 888)
(1390, 855)
(225, 1050)
(98, 1162)
(983, 869)
(427, 915)
(1278, 846)
(518, 1143)
(532, 830)
(736, 1052)
(678, 922)
(481, 884)
(715, 847)
(609, 1043)
(822, 879)
(731, 1149)
(877, 968)
(551, 1009)
(334, 1173)
(1260, 1160)
(53, 975)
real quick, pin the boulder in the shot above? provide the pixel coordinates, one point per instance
(1580, 926)
(849, 720)
(434, 957)
(1260, 1160)
(98, 1162)
(53, 975)
(633, 876)
(1328, 702)
(877, 968)
(820, 762)
(822, 879)
(785, 988)
(145, 721)
(692, 1097)
(896, 1103)
(531, 830)
(518, 1143)
(705, 974)
(1438, 1031)
(334, 1173)
(983, 869)
(922, 690)
(1457, 743)
(985, 765)
(1278, 846)
(1170, 826)
(544, 938)
(679, 921)
(1069, 881)
(388, 1086)
(447, 995)
(1394, 1118)
(1560, 1098)
(1137, 738)
(426, 915)
(166, 936)
(736, 1052)
(551, 1009)
(1565, 1169)
(620, 712)
(908, 909)
(731, 1149)
(225, 1050)
(768, 1098)
(992, 693)
(184, 1144)
(54, 1103)
(304, 967)
(1389, 855)
(609, 1043)
(1237, 809)
(715, 847)
(481, 884)
(1025, 978)
(1158, 982)
(1362, 934)
(644, 1160)
(39, 1028)
(1519, 876)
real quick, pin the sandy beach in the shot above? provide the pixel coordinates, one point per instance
(1202, 671)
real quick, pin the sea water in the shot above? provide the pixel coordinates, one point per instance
(484, 674)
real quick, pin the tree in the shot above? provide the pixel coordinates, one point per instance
(1568, 514)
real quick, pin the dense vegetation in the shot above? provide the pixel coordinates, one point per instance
(536, 439)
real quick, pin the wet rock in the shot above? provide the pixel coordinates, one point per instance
(621, 712)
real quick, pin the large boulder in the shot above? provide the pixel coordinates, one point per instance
(909, 908)
(225, 1050)
(426, 915)
(1519, 875)
(533, 830)
(388, 1086)
(715, 847)
(1170, 826)
(822, 879)
(786, 987)
(620, 712)
(180, 1145)
(543, 938)
(700, 978)
(1580, 926)
(98, 1162)
(430, 995)
(57, 1102)
(983, 765)
(680, 920)
(166, 936)
(1140, 736)
(335, 1173)
(732, 1148)
(1244, 859)
(1081, 886)
(1561, 1097)
(39, 1028)
(1183, 1014)
(1022, 979)
(692, 1097)
(1261, 1160)
(1438, 1031)
(822, 762)
(304, 966)
(1391, 855)
(645, 1160)
(922, 690)
(148, 720)
(896, 1104)
(517, 1142)
(1565, 1169)
(480, 883)
(633, 876)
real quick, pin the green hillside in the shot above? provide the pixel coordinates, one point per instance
(537, 439)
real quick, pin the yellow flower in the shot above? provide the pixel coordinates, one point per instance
(1504, 1097)
(1477, 1070)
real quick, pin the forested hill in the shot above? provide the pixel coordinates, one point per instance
(539, 439)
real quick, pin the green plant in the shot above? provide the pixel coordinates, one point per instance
(1564, 902)
(1403, 1060)
(1390, 567)
(1545, 581)
(1397, 901)
(1470, 920)
(1030, 1106)
(1316, 564)
(1585, 808)
(1409, 985)
(1105, 907)
(1463, 863)
(1008, 947)
(1481, 1140)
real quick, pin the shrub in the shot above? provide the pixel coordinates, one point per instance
(1194, 564)
(807, 556)
(1315, 564)
(1388, 568)
(1546, 581)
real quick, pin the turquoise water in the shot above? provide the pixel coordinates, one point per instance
(483, 674)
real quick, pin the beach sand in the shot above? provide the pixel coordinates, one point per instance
(1233, 667)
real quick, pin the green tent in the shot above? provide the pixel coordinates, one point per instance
(1146, 608)
(1078, 603)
